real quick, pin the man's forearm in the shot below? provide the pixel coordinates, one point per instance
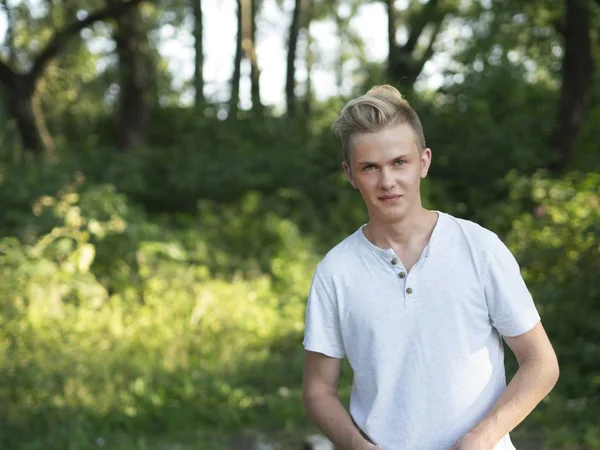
(534, 379)
(330, 416)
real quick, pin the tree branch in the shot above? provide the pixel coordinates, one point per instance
(8, 77)
(420, 23)
(10, 31)
(391, 14)
(60, 38)
(392, 26)
(290, 78)
(429, 51)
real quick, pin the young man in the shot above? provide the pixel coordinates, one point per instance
(418, 301)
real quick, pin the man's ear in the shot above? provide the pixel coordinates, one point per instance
(348, 171)
(425, 162)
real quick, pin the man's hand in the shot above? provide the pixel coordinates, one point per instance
(537, 375)
(472, 441)
(363, 444)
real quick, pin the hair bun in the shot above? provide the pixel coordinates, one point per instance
(387, 91)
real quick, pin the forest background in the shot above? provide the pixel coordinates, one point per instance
(158, 232)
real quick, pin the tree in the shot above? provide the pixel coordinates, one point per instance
(309, 60)
(10, 32)
(351, 44)
(135, 77)
(577, 76)
(290, 79)
(198, 52)
(247, 11)
(302, 16)
(250, 12)
(404, 62)
(237, 63)
(20, 86)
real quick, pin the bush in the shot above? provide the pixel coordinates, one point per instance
(111, 322)
(558, 245)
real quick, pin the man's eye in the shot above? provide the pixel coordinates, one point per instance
(368, 168)
(399, 163)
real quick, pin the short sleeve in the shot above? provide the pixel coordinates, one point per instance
(322, 332)
(511, 307)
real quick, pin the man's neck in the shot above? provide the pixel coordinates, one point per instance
(403, 234)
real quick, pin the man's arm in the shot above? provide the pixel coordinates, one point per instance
(537, 374)
(322, 404)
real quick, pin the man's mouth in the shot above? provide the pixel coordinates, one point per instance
(389, 197)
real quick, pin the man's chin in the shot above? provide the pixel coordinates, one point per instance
(389, 215)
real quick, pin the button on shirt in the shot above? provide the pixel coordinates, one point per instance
(424, 345)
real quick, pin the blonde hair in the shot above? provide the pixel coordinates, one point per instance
(380, 108)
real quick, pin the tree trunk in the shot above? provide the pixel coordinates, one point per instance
(134, 74)
(22, 109)
(199, 52)
(341, 25)
(578, 72)
(310, 62)
(404, 65)
(253, 57)
(237, 63)
(20, 96)
(392, 30)
(290, 81)
(20, 88)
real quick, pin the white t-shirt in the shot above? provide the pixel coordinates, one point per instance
(425, 347)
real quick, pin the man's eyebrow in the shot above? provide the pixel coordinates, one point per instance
(369, 163)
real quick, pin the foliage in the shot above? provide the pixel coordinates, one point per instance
(111, 322)
(117, 323)
(558, 244)
(159, 291)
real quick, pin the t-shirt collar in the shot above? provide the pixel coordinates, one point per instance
(388, 253)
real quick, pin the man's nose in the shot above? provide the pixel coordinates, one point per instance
(386, 181)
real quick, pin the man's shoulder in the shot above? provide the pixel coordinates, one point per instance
(472, 232)
(340, 255)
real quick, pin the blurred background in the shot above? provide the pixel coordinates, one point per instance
(168, 182)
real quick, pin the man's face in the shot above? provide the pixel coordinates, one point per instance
(387, 167)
